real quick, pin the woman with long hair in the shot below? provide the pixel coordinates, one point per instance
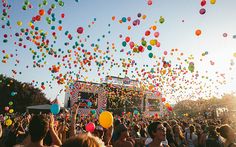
(178, 136)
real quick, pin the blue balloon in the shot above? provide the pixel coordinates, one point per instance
(55, 109)
(136, 112)
(89, 104)
(93, 111)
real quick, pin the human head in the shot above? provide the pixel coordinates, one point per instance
(84, 140)
(192, 128)
(226, 131)
(122, 131)
(157, 131)
(38, 128)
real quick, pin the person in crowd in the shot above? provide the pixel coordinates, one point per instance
(123, 139)
(84, 140)
(157, 132)
(108, 136)
(203, 135)
(14, 131)
(38, 128)
(213, 139)
(169, 135)
(136, 131)
(228, 134)
(178, 136)
(191, 137)
(143, 131)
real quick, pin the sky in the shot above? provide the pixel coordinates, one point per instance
(103, 37)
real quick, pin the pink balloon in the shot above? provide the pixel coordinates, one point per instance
(131, 44)
(149, 2)
(6, 108)
(202, 11)
(165, 52)
(156, 34)
(90, 127)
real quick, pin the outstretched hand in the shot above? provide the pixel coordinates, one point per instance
(75, 109)
(51, 120)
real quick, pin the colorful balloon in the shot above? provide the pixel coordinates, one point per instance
(198, 32)
(90, 127)
(8, 122)
(55, 109)
(202, 11)
(212, 2)
(106, 119)
(19, 23)
(80, 30)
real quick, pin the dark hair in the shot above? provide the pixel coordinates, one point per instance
(38, 128)
(153, 128)
(120, 128)
(224, 131)
(212, 132)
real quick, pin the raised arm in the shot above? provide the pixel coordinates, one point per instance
(55, 138)
(73, 120)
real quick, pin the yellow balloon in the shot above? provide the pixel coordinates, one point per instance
(106, 119)
(11, 111)
(153, 42)
(19, 23)
(8, 122)
(213, 1)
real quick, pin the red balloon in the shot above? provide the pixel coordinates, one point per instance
(163, 99)
(127, 39)
(90, 127)
(203, 3)
(141, 49)
(62, 15)
(80, 30)
(147, 33)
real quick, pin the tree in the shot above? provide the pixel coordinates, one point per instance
(204, 105)
(21, 94)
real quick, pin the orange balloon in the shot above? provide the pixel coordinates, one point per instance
(113, 18)
(198, 32)
(154, 27)
(129, 27)
(59, 28)
(41, 12)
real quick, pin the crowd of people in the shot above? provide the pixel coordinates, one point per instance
(43, 130)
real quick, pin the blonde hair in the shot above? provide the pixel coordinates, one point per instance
(84, 140)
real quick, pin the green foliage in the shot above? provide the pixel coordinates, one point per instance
(21, 94)
(200, 106)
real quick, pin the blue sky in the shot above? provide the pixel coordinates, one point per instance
(182, 18)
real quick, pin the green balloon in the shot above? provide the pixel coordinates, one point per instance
(150, 55)
(124, 44)
(149, 47)
(61, 3)
(144, 43)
